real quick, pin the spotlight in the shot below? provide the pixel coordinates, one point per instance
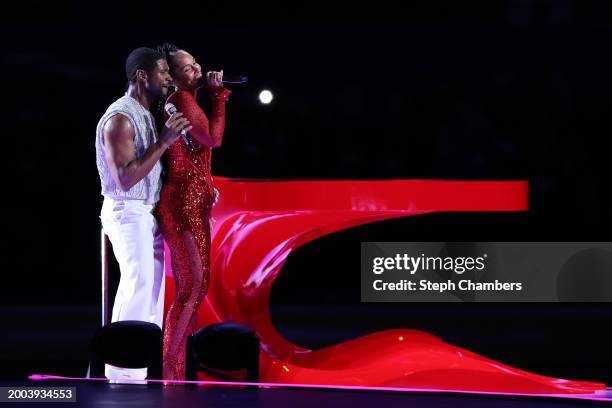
(265, 97)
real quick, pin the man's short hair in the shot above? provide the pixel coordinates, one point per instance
(141, 58)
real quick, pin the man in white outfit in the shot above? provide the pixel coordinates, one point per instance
(128, 150)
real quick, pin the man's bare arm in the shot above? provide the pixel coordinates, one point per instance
(120, 149)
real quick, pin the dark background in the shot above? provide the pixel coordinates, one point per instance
(514, 89)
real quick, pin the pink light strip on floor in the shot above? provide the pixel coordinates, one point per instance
(596, 396)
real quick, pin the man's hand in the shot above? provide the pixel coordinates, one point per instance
(175, 124)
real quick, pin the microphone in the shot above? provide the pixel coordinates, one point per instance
(171, 110)
(239, 79)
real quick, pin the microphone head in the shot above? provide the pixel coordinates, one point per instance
(170, 109)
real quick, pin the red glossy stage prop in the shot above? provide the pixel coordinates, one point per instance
(257, 223)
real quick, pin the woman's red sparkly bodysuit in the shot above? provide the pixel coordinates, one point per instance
(183, 213)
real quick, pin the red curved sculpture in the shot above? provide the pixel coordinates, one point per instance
(257, 223)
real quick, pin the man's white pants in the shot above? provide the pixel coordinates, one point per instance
(139, 249)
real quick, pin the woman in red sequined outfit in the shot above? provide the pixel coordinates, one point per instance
(186, 200)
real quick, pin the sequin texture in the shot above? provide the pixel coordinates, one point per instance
(183, 213)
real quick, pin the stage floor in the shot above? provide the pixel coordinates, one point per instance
(102, 394)
(54, 340)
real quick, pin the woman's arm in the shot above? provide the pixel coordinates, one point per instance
(218, 97)
(204, 132)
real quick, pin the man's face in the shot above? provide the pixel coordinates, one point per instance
(159, 79)
(187, 72)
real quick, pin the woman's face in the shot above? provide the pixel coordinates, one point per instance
(186, 72)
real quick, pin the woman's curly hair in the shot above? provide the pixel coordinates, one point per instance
(168, 51)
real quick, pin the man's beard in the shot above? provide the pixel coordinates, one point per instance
(157, 109)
